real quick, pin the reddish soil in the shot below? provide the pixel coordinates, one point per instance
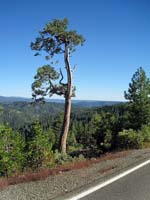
(44, 173)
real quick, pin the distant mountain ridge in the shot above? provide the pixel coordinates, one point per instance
(4, 99)
(81, 103)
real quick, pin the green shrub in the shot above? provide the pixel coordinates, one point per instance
(130, 139)
(12, 157)
(80, 157)
(61, 158)
(71, 139)
(105, 145)
(145, 132)
(40, 152)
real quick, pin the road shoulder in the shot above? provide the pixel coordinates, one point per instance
(70, 182)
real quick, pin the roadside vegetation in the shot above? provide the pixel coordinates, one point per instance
(33, 137)
(32, 144)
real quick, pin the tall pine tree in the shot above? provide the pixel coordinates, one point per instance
(55, 39)
(139, 99)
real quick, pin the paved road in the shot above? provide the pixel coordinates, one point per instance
(135, 186)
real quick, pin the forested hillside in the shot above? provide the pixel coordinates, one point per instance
(33, 133)
(17, 114)
(30, 132)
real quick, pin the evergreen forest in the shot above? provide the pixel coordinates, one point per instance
(30, 133)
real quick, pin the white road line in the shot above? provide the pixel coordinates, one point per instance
(101, 185)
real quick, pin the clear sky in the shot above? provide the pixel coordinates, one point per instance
(117, 36)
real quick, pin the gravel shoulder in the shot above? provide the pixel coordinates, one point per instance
(65, 184)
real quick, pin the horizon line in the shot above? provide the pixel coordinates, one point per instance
(23, 97)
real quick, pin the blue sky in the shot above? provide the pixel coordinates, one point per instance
(117, 34)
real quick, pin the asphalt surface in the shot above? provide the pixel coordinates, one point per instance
(135, 186)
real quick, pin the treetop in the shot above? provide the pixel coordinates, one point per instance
(55, 36)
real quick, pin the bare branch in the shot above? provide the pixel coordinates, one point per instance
(50, 82)
(73, 69)
(62, 77)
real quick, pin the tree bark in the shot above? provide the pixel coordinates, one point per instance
(68, 95)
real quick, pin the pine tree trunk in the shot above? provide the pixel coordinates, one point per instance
(66, 123)
(67, 112)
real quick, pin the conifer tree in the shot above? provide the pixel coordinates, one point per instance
(55, 39)
(139, 99)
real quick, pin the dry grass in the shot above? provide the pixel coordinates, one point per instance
(44, 173)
